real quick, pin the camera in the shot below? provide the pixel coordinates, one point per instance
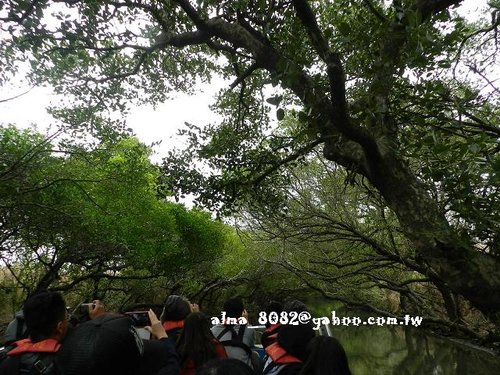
(81, 313)
(139, 318)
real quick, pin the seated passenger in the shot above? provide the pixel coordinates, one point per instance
(237, 339)
(174, 313)
(325, 356)
(271, 332)
(47, 322)
(225, 366)
(110, 345)
(197, 344)
(286, 355)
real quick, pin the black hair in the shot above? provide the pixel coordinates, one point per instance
(42, 312)
(176, 308)
(196, 341)
(294, 305)
(294, 339)
(225, 366)
(326, 356)
(273, 306)
(234, 307)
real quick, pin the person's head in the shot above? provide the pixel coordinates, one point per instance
(294, 339)
(234, 307)
(225, 366)
(325, 356)
(273, 307)
(176, 308)
(196, 340)
(294, 305)
(45, 316)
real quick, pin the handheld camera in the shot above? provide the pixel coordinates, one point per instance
(139, 318)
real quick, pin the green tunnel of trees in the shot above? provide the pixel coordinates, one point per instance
(375, 186)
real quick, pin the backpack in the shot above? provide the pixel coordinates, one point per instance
(16, 330)
(236, 338)
(4, 350)
(237, 341)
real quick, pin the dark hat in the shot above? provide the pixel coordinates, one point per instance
(176, 308)
(106, 345)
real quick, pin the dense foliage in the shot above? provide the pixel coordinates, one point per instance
(71, 215)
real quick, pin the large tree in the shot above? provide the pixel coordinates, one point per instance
(371, 81)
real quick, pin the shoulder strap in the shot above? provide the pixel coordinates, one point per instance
(236, 339)
(44, 365)
(241, 332)
(36, 364)
(224, 331)
(20, 331)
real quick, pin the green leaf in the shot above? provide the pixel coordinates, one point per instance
(275, 100)
(280, 114)
(344, 28)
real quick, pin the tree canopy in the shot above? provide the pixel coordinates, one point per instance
(73, 216)
(401, 94)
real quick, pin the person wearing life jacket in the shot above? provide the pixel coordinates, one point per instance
(47, 322)
(197, 345)
(237, 339)
(174, 313)
(270, 335)
(287, 354)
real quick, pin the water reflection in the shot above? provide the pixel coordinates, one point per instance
(409, 351)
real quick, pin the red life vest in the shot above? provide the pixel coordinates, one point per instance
(279, 355)
(26, 346)
(172, 324)
(270, 334)
(272, 331)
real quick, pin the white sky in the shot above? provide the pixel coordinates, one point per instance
(150, 125)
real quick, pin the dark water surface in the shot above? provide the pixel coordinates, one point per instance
(412, 351)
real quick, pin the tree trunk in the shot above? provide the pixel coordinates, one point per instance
(453, 261)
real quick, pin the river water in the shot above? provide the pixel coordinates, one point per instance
(411, 351)
(401, 350)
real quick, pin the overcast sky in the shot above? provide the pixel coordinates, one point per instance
(150, 125)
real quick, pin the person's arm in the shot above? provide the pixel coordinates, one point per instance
(96, 308)
(244, 314)
(195, 307)
(156, 328)
(172, 366)
(169, 354)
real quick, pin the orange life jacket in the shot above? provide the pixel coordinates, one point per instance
(27, 346)
(279, 355)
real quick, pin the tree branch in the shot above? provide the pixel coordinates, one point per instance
(16, 96)
(339, 113)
